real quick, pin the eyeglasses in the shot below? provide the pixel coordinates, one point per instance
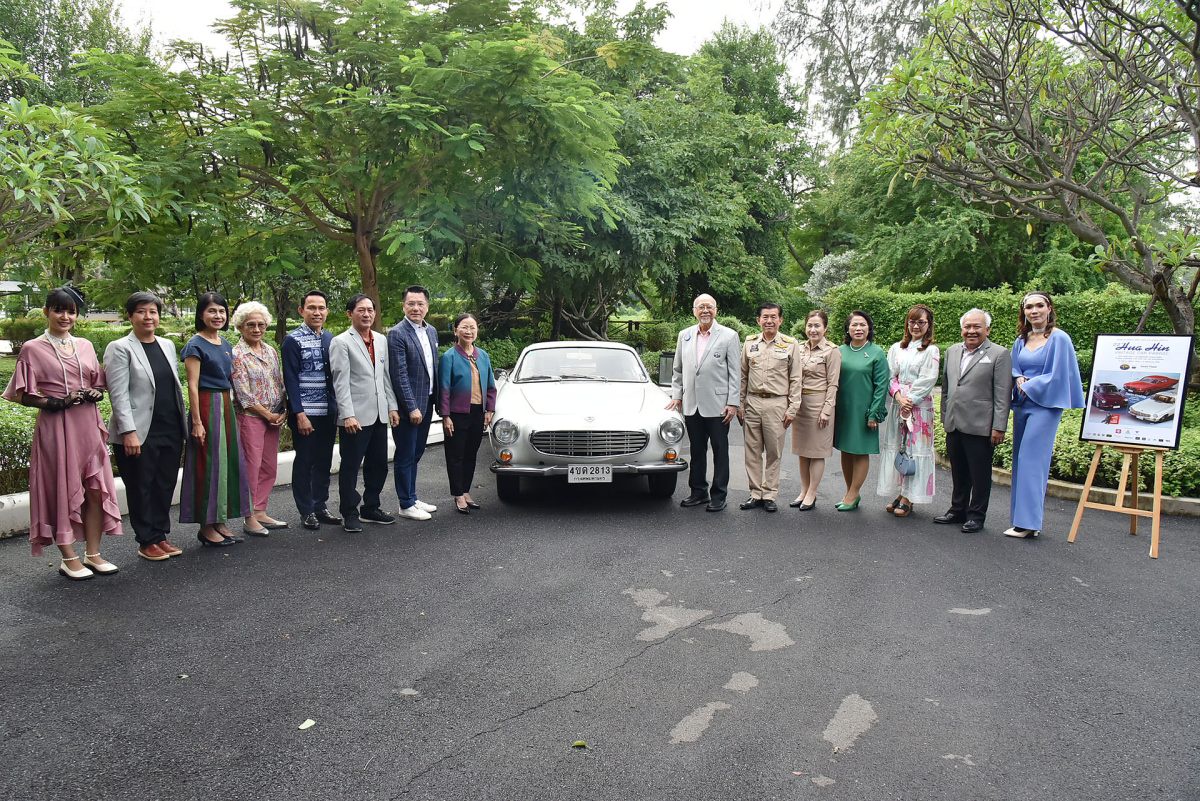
(707, 306)
(918, 322)
(254, 325)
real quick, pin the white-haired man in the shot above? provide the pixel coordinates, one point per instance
(976, 396)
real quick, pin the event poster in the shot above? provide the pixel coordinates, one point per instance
(1137, 390)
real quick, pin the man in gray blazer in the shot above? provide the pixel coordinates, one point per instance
(976, 394)
(148, 425)
(705, 381)
(366, 407)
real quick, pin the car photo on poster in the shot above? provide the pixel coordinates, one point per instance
(1108, 396)
(1156, 408)
(1148, 385)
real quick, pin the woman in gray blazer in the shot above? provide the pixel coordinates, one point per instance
(148, 423)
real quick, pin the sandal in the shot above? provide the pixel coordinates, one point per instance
(891, 507)
(903, 509)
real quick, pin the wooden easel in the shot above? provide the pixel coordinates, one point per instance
(1129, 463)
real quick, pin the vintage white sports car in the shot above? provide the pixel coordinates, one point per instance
(1156, 408)
(587, 411)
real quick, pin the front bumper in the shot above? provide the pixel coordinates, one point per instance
(561, 469)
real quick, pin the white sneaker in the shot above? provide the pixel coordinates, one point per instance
(425, 507)
(1026, 534)
(414, 512)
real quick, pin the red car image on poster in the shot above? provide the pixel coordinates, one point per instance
(1148, 385)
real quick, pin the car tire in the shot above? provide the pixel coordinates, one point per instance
(662, 485)
(508, 488)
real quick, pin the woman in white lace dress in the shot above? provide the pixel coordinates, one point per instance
(913, 363)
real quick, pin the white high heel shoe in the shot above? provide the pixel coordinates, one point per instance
(74, 575)
(104, 569)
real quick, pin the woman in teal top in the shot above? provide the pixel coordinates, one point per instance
(862, 391)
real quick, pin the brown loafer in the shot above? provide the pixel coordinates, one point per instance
(153, 552)
(169, 549)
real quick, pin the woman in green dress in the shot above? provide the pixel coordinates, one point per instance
(862, 391)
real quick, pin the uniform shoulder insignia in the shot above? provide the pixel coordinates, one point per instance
(754, 337)
(787, 339)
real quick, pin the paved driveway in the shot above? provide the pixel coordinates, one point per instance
(700, 657)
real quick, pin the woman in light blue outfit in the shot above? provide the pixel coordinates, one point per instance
(1046, 381)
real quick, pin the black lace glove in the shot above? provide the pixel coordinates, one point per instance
(92, 395)
(60, 404)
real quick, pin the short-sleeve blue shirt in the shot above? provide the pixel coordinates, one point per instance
(216, 363)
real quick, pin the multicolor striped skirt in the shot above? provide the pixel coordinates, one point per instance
(214, 474)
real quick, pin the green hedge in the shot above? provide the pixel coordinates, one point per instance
(1072, 458)
(1113, 309)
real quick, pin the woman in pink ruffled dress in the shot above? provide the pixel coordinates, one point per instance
(72, 495)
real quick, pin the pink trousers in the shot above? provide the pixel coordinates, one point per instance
(260, 447)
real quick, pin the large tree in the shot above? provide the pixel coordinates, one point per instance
(379, 125)
(1011, 116)
(846, 48)
(62, 183)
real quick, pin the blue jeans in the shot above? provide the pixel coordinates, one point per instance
(410, 446)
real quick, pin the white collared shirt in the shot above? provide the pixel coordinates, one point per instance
(426, 351)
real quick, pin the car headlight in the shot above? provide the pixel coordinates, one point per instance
(505, 431)
(670, 430)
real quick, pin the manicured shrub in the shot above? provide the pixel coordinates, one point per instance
(503, 352)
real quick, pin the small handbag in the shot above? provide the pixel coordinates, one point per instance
(906, 465)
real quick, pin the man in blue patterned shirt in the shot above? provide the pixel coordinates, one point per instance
(312, 410)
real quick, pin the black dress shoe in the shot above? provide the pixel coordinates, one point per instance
(473, 505)
(695, 499)
(714, 506)
(310, 522)
(949, 518)
(971, 526)
(770, 506)
(804, 507)
(325, 517)
(750, 503)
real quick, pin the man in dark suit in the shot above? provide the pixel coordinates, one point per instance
(413, 364)
(976, 394)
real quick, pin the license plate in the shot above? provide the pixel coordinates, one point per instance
(589, 474)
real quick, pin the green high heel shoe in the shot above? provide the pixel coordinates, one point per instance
(848, 507)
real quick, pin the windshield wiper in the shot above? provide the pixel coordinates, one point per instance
(525, 378)
(584, 377)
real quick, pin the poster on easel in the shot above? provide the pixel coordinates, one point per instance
(1137, 390)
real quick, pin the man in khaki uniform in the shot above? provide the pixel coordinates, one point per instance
(770, 398)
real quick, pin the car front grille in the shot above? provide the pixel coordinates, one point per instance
(589, 443)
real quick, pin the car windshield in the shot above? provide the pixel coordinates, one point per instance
(580, 364)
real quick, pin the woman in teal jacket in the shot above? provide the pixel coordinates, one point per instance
(468, 400)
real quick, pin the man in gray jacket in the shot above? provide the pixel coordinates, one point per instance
(705, 381)
(976, 395)
(366, 407)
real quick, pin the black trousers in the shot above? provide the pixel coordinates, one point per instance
(971, 470)
(705, 432)
(366, 449)
(314, 458)
(462, 448)
(149, 484)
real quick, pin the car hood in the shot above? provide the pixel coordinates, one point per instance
(580, 398)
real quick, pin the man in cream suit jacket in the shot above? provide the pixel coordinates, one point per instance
(366, 407)
(705, 382)
(976, 394)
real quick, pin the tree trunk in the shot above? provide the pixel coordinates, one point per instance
(364, 247)
(281, 312)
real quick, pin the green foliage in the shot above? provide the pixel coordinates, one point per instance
(503, 352)
(21, 329)
(1073, 458)
(1113, 309)
(61, 178)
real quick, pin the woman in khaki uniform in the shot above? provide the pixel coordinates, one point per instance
(812, 431)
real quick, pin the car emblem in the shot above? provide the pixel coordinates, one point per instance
(589, 419)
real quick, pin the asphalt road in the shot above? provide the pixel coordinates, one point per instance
(701, 657)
